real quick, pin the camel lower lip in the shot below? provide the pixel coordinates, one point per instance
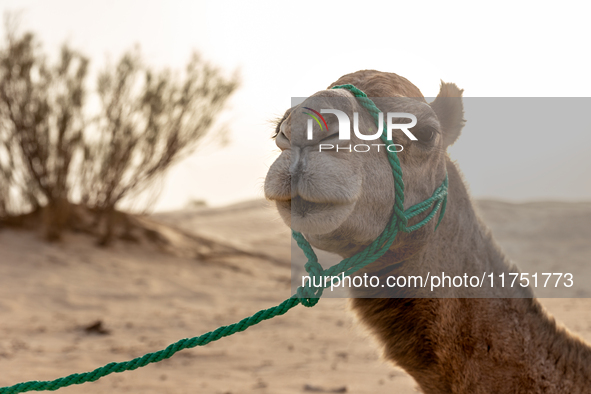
(304, 207)
(312, 217)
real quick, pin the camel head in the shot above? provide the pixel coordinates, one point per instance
(339, 198)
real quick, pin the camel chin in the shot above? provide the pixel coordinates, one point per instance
(314, 218)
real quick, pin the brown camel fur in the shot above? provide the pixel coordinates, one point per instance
(503, 344)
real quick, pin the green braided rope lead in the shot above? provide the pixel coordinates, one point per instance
(307, 295)
(224, 331)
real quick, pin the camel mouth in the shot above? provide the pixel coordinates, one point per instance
(303, 207)
(310, 217)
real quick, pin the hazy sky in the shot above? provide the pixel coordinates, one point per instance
(293, 49)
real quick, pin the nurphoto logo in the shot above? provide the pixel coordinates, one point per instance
(345, 129)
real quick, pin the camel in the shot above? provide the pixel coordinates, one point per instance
(455, 343)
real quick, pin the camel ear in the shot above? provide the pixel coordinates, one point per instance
(450, 111)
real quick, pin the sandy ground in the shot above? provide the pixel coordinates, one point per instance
(147, 298)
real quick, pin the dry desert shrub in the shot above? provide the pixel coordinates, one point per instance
(57, 154)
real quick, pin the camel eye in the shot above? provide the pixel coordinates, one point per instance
(425, 134)
(330, 137)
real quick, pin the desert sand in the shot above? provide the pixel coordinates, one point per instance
(147, 296)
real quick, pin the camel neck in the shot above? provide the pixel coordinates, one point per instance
(503, 344)
(478, 345)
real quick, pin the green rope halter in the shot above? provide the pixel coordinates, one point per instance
(309, 296)
(304, 295)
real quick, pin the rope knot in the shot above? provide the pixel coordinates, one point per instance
(312, 291)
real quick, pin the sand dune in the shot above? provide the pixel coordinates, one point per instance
(147, 297)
